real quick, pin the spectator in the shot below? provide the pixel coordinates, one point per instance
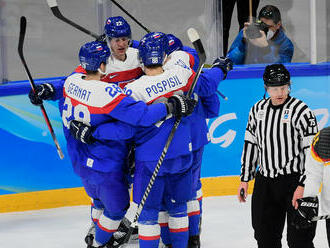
(242, 16)
(272, 45)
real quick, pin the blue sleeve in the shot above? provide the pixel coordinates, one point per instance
(208, 81)
(286, 52)
(135, 43)
(116, 130)
(194, 53)
(211, 106)
(281, 52)
(137, 113)
(58, 86)
(237, 50)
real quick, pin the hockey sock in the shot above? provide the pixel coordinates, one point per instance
(194, 217)
(106, 226)
(96, 210)
(178, 225)
(164, 230)
(149, 235)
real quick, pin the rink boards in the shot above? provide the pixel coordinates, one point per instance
(33, 177)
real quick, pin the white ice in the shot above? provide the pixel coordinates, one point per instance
(226, 223)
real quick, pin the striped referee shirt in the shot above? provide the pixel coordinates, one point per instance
(277, 138)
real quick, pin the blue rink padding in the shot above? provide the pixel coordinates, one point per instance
(29, 161)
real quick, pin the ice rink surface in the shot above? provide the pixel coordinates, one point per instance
(226, 223)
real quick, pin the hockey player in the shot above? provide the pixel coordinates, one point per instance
(172, 185)
(101, 165)
(210, 78)
(207, 107)
(278, 134)
(123, 65)
(317, 173)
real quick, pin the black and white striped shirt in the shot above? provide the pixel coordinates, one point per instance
(276, 138)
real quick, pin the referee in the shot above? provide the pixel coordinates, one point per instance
(279, 131)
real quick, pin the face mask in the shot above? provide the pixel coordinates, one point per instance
(270, 34)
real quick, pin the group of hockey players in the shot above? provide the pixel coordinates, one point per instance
(118, 109)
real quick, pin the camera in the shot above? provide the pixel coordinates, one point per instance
(253, 30)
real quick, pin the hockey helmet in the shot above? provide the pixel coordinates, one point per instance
(92, 54)
(116, 27)
(321, 144)
(153, 48)
(174, 43)
(276, 75)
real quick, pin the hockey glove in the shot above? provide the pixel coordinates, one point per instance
(180, 105)
(225, 64)
(42, 92)
(307, 209)
(122, 235)
(82, 132)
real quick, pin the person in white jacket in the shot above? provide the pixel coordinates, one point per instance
(317, 173)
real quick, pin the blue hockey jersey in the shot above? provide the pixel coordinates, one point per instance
(94, 103)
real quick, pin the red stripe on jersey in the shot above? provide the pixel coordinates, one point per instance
(194, 213)
(200, 198)
(106, 109)
(185, 229)
(105, 229)
(149, 237)
(184, 88)
(191, 60)
(79, 69)
(163, 224)
(123, 76)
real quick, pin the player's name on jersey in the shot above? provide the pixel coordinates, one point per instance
(163, 86)
(79, 92)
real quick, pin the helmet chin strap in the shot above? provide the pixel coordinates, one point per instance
(102, 73)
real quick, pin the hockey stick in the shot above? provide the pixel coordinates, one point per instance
(20, 53)
(197, 43)
(54, 8)
(133, 18)
(322, 217)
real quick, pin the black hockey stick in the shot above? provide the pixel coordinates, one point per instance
(54, 8)
(20, 53)
(197, 43)
(127, 13)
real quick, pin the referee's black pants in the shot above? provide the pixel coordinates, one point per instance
(271, 203)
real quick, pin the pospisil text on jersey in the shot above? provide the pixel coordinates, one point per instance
(78, 92)
(162, 86)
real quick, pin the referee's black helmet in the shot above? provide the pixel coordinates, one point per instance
(276, 75)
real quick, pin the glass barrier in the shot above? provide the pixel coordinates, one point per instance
(296, 24)
(51, 46)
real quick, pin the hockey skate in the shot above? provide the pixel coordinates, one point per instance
(90, 236)
(194, 242)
